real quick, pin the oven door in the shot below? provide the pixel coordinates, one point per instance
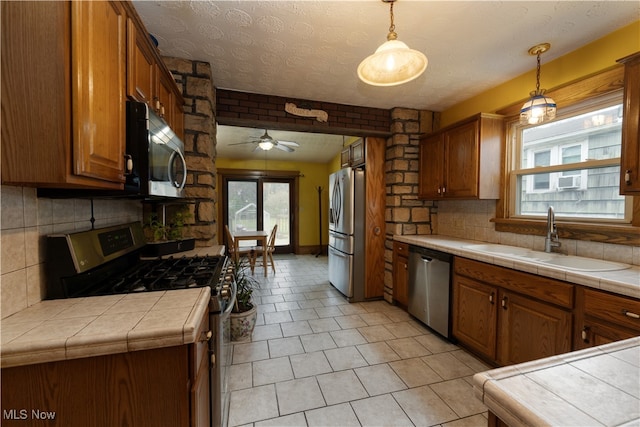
(221, 362)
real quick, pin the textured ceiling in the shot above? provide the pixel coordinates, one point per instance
(311, 49)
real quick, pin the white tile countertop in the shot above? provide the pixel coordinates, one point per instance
(592, 387)
(622, 282)
(72, 328)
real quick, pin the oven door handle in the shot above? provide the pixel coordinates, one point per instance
(232, 300)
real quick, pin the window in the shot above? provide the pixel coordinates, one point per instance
(572, 164)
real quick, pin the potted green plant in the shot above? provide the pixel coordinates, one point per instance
(165, 238)
(245, 312)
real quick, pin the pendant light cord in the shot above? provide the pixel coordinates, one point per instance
(392, 27)
(538, 76)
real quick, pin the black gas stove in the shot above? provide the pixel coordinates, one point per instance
(107, 261)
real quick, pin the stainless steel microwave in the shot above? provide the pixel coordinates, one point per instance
(156, 166)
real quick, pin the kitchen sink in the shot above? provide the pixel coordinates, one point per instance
(569, 262)
(585, 264)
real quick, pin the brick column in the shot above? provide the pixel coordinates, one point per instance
(405, 213)
(194, 80)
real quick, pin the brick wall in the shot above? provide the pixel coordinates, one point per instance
(256, 110)
(405, 214)
(194, 81)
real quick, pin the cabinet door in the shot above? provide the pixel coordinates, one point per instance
(595, 332)
(530, 329)
(141, 66)
(461, 161)
(357, 153)
(98, 31)
(431, 168)
(401, 273)
(475, 315)
(177, 122)
(630, 156)
(164, 106)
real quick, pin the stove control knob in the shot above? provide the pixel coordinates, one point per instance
(225, 293)
(228, 278)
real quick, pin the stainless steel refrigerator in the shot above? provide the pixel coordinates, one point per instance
(347, 206)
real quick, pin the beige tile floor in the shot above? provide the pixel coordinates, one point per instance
(316, 360)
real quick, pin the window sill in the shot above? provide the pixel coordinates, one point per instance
(604, 233)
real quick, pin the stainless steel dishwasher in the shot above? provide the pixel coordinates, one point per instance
(429, 288)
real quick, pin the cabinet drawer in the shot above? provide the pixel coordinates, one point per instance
(542, 288)
(401, 249)
(618, 309)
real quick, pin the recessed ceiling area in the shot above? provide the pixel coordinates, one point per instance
(313, 147)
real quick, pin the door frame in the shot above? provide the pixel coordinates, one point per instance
(225, 174)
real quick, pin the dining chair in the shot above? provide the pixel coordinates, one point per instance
(235, 251)
(259, 250)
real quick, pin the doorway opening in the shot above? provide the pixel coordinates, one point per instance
(255, 201)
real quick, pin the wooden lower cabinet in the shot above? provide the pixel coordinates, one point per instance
(401, 274)
(528, 329)
(603, 317)
(507, 327)
(147, 388)
(475, 316)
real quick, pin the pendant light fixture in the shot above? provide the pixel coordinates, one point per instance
(539, 107)
(393, 63)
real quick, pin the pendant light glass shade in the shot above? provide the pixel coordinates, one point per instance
(393, 63)
(539, 108)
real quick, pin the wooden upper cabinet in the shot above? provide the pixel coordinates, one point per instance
(63, 77)
(630, 156)
(431, 177)
(141, 66)
(462, 161)
(98, 34)
(354, 155)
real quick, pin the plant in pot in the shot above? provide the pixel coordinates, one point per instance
(167, 238)
(245, 312)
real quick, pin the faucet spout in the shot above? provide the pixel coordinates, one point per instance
(551, 241)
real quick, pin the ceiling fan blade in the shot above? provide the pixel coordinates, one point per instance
(289, 143)
(255, 148)
(284, 148)
(241, 143)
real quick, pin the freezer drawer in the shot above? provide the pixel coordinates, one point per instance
(341, 271)
(429, 288)
(342, 242)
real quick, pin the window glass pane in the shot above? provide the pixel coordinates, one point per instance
(242, 207)
(591, 193)
(599, 130)
(276, 210)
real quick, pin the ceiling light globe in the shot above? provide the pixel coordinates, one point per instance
(393, 63)
(265, 145)
(539, 108)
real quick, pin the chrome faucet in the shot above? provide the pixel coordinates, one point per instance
(552, 240)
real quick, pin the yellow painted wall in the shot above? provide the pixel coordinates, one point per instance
(592, 58)
(315, 175)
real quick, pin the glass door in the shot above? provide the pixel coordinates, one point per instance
(259, 204)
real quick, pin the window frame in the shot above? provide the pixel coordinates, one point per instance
(556, 168)
(604, 82)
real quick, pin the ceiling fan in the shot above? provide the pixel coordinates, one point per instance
(266, 142)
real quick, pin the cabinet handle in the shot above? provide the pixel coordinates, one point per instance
(627, 176)
(213, 359)
(585, 336)
(128, 163)
(504, 302)
(491, 298)
(443, 190)
(406, 267)
(206, 336)
(439, 190)
(631, 314)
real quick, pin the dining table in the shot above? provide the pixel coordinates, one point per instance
(258, 235)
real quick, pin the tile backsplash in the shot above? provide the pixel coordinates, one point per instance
(26, 220)
(471, 219)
